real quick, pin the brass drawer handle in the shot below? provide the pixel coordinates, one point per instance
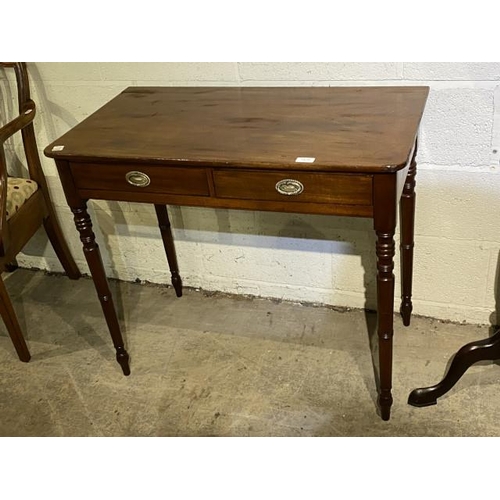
(289, 187)
(138, 179)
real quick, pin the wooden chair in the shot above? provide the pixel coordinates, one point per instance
(24, 206)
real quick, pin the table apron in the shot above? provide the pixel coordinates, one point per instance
(213, 202)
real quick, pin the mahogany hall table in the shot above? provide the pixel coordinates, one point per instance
(338, 151)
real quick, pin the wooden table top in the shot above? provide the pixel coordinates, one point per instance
(366, 129)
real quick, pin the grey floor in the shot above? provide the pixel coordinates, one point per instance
(211, 365)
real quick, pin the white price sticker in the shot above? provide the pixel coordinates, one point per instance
(304, 159)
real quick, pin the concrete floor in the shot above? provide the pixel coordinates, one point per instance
(210, 365)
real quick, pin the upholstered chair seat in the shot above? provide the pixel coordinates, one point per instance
(18, 192)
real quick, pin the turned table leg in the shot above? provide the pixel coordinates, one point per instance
(92, 254)
(385, 203)
(407, 211)
(482, 350)
(385, 303)
(168, 243)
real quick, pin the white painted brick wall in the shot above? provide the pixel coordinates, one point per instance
(302, 257)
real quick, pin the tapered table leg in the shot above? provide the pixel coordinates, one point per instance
(482, 350)
(407, 211)
(93, 256)
(168, 243)
(384, 217)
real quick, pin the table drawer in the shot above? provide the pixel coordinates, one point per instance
(299, 187)
(141, 178)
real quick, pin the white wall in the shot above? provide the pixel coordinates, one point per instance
(303, 257)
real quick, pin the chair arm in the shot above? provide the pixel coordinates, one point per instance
(18, 123)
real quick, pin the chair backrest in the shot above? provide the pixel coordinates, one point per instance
(24, 124)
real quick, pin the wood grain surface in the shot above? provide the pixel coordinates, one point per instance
(370, 129)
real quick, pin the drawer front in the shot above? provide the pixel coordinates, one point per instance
(141, 178)
(294, 187)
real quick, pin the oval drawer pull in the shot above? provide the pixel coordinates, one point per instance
(138, 179)
(289, 187)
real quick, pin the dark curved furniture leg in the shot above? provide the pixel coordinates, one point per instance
(482, 350)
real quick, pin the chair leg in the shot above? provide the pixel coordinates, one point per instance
(60, 246)
(10, 319)
(12, 266)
